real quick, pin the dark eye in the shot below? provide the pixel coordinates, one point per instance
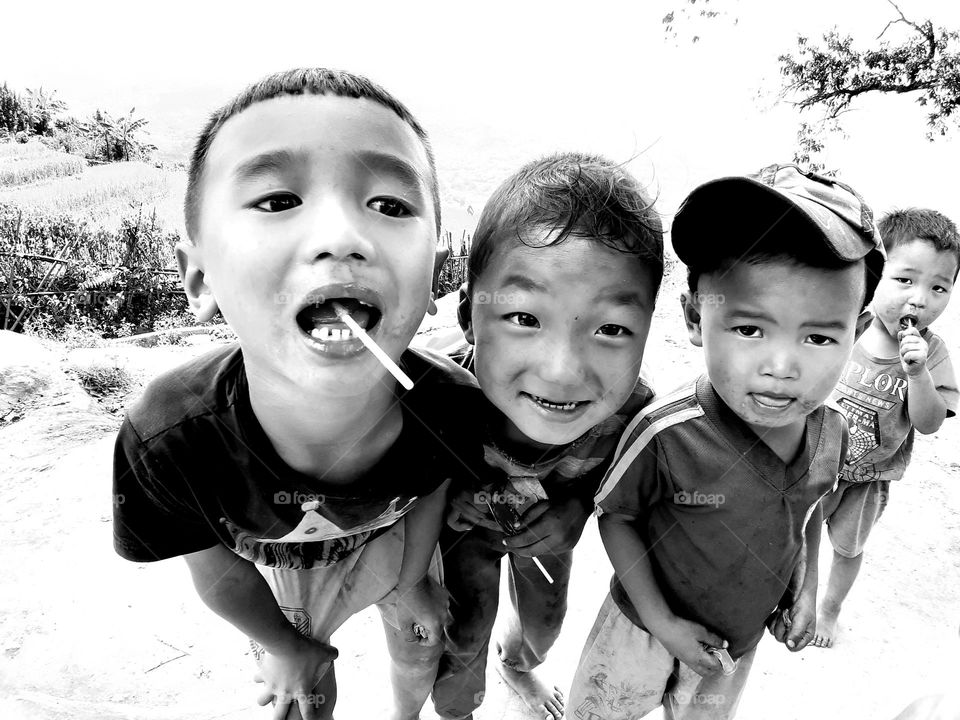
(903, 280)
(522, 319)
(611, 330)
(279, 203)
(391, 207)
(748, 331)
(821, 340)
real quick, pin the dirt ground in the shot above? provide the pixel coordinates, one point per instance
(86, 635)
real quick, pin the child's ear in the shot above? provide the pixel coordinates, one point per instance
(465, 314)
(438, 260)
(199, 294)
(691, 316)
(863, 322)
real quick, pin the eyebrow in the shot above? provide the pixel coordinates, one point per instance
(524, 283)
(398, 169)
(910, 269)
(630, 298)
(263, 165)
(821, 324)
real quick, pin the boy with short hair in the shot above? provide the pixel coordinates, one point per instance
(298, 480)
(563, 275)
(714, 490)
(898, 380)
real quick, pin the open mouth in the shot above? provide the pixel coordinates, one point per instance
(908, 321)
(556, 406)
(772, 402)
(320, 321)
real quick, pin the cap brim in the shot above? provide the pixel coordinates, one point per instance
(742, 196)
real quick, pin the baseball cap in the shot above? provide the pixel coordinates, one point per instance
(834, 211)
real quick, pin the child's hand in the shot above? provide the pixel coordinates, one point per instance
(467, 510)
(551, 528)
(292, 678)
(687, 641)
(913, 351)
(795, 626)
(421, 613)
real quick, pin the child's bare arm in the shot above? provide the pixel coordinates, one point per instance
(925, 407)
(420, 604)
(797, 625)
(236, 591)
(684, 639)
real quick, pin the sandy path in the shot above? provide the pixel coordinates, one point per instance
(87, 635)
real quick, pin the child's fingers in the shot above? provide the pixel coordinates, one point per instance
(710, 638)
(535, 512)
(281, 707)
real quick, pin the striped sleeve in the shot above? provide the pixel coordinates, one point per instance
(637, 475)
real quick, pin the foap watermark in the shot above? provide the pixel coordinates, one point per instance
(119, 499)
(492, 497)
(709, 298)
(695, 497)
(694, 698)
(482, 297)
(298, 498)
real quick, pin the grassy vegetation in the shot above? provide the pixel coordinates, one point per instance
(35, 163)
(103, 193)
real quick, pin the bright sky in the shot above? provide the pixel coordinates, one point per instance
(506, 80)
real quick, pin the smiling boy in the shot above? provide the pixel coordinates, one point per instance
(714, 490)
(900, 379)
(271, 465)
(563, 275)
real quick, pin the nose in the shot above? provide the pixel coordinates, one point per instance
(780, 361)
(918, 297)
(335, 232)
(562, 362)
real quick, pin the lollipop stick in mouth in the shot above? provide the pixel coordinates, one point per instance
(907, 321)
(377, 351)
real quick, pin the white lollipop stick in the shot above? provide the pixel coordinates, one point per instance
(377, 351)
(536, 561)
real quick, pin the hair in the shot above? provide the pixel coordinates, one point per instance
(903, 226)
(772, 232)
(574, 195)
(302, 81)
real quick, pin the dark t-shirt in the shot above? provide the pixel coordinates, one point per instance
(193, 468)
(722, 515)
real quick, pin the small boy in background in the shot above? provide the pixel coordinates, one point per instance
(298, 480)
(563, 274)
(898, 380)
(714, 490)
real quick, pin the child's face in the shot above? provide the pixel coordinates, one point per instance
(775, 337)
(309, 199)
(559, 333)
(917, 281)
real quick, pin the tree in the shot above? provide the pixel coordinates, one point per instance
(831, 77)
(42, 107)
(118, 138)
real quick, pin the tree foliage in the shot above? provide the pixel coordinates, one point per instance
(829, 77)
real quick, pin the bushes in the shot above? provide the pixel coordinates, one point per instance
(115, 283)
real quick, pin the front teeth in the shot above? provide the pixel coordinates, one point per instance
(331, 334)
(553, 405)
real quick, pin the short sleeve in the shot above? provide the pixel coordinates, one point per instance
(155, 513)
(632, 482)
(941, 370)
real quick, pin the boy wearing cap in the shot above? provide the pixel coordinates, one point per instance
(713, 494)
(899, 379)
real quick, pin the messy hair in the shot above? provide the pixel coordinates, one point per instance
(302, 81)
(902, 226)
(574, 195)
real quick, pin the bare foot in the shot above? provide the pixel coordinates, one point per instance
(546, 703)
(826, 627)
